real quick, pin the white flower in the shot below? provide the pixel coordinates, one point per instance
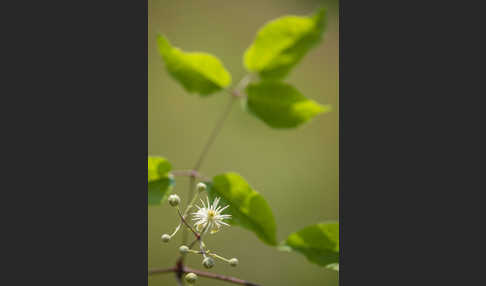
(210, 217)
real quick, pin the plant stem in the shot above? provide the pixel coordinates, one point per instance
(192, 243)
(242, 84)
(217, 128)
(189, 173)
(214, 133)
(185, 222)
(190, 195)
(235, 94)
(219, 277)
(202, 274)
(219, 257)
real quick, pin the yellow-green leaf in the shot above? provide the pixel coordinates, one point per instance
(280, 105)
(197, 72)
(247, 207)
(319, 243)
(282, 43)
(159, 180)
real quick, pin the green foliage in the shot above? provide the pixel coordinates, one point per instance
(159, 181)
(247, 207)
(319, 243)
(277, 48)
(280, 105)
(197, 72)
(282, 43)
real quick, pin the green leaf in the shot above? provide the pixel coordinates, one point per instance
(282, 43)
(280, 105)
(319, 243)
(159, 180)
(158, 168)
(159, 190)
(197, 72)
(247, 207)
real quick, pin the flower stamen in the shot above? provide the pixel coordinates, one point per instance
(210, 217)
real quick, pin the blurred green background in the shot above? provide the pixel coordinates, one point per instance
(296, 170)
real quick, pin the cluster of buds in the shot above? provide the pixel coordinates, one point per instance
(208, 218)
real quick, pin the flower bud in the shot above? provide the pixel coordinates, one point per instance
(174, 200)
(191, 278)
(201, 187)
(165, 237)
(233, 262)
(208, 262)
(183, 249)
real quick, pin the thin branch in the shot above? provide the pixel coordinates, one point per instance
(192, 181)
(242, 84)
(235, 93)
(217, 128)
(185, 222)
(202, 274)
(192, 243)
(214, 133)
(219, 257)
(219, 277)
(193, 174)
(190, 173)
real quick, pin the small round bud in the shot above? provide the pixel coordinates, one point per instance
(165, 237)
(174, 200)
(208, 262)
(201, 187)
(191, 278)
(233, 262)
(183, 249)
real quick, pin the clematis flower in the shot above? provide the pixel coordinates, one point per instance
(209, 217)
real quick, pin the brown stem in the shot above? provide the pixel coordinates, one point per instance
(185, 222)
(219, 277)
(180, 269)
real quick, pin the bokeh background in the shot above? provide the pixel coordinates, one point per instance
(296, 170)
